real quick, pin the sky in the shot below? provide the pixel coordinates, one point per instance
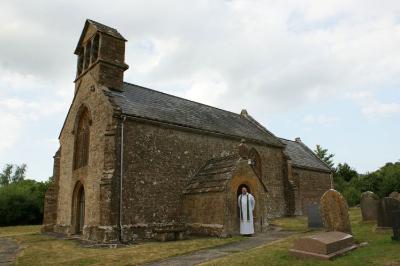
(325, 71)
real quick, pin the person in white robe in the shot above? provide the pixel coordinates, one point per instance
(246, 207)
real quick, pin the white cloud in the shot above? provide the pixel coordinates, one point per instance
(320, 119)
(265, 56)
(10, 131)
(371, 107)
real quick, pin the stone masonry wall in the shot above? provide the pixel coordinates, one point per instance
(51, 197)
(311, 186)
(158, 161)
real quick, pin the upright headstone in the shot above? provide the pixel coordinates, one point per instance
(369, 206)
(314, 216)
(335, 212)
(395, 195)
(396, 225)
(385, 211)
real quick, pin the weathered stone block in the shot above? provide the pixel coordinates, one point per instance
(325, 246)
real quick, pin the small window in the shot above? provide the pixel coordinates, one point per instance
(82, 140)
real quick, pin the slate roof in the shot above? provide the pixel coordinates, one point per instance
(213, 176)
(146, 103)
(302, 156)
(101, 28)
(106, 29)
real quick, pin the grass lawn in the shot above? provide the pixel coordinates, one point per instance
(45, 250)
(381, 250)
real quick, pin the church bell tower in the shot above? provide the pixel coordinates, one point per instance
(101, 53)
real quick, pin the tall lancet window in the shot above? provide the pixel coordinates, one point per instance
(82, 139)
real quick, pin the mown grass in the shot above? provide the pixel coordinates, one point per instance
(41, 249)
(45, 250)
(381, 250)
(19, 230)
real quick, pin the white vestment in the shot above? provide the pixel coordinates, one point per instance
(246, 217)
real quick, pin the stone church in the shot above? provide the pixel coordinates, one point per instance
(135, 163)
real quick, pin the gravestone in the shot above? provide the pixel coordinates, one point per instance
(369, 206)
(396, 225)
(325, 245)
(314, 216)
(385, 211)
(395, 195)
(335, 212)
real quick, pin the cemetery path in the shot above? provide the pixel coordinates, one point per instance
(205, 255)
(8, 251)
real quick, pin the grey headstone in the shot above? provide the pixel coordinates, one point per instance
(396, 225)
(314, 216)
(369, 206)
(385, 211)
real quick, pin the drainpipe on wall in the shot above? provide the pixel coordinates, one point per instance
(120, 177)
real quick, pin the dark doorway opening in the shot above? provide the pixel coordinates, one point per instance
(78, 209)
(238, 192)
(81, 210)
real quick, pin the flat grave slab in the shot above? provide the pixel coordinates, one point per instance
(325, 245)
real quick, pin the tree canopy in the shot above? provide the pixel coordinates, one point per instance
(21, 200)
(351, 184)
(324, 155)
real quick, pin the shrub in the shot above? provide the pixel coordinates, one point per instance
(22, 203)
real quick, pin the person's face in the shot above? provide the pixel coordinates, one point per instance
(244, 190)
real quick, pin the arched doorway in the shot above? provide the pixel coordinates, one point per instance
(78, 211)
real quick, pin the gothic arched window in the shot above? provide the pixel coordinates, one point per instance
(82, 139)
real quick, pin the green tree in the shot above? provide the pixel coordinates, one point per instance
(19, 173)
(5, 176)
(22, 203)
(324, 155)
(390, 179)
(346, 172)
